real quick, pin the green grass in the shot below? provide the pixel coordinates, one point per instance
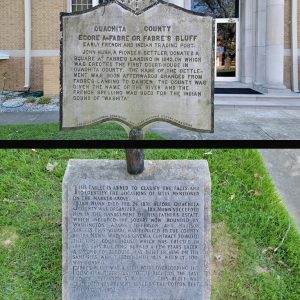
(106, 131)
(249, 222)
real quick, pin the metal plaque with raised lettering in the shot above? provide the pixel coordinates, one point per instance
(137, 65)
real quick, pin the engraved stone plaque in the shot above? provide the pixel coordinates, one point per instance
(136, 238)
(135, 67)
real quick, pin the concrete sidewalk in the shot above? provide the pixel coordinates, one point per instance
(231, 123)
(9, 118)
(284, 168)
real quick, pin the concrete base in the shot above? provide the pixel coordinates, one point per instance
(105, 174)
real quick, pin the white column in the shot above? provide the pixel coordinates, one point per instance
(294, 46)
(247, 53)
(275, 45)
(95, 2)
(260, 51)
(188, 4)
(69, 5)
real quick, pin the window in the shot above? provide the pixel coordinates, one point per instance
(227, 35)
(217, 8)
(79, 5)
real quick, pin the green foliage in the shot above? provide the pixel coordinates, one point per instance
(243, 200)
(217, 8)
(30, 100)
(44, 100)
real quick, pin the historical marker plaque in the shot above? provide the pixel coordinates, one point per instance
(133, 239)
(137, 66)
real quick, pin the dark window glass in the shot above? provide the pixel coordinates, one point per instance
(226, 50)
(217, 8)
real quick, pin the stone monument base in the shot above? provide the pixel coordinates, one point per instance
(136, 237)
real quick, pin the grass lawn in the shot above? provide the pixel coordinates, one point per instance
(249, 222)
(106, 131)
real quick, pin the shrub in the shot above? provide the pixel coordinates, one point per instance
(44, 100)
(30, 99)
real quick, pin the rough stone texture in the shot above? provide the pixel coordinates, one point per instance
(154, 66)
(111, 177)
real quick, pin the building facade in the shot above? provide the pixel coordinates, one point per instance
(256, 42)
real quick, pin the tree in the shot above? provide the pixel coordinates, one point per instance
(217, 8)
(226, 33)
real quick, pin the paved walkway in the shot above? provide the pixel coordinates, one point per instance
(242, 124)
(28, 117)
(284, 168)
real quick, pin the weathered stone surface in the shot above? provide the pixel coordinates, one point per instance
(137, 68)
(136, 237)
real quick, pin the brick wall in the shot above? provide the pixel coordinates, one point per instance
(12, 25)
(37, 74)
(287, 24)
(45, 23)
(45, 36)
(287, 71)
(51, 76)
(14, 69)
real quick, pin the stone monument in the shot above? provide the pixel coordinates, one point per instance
(135, 63)
(136, 237)
(144, 236)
